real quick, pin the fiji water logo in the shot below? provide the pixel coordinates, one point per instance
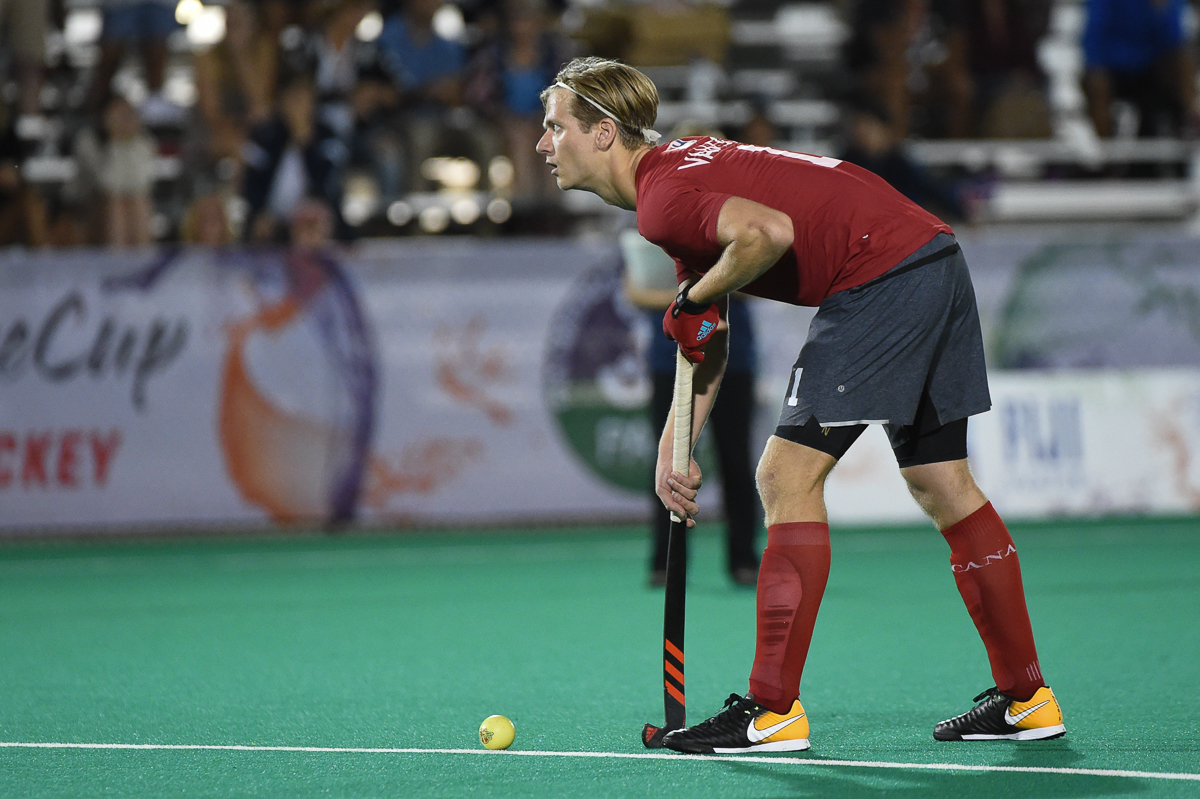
(1043, 442)
(706, 327)
(596, 382)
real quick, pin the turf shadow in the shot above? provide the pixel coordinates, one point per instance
(860, 783)
(1044, 754)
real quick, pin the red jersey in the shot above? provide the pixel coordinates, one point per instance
(850, 225)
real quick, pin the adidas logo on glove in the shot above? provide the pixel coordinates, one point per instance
(690, 324)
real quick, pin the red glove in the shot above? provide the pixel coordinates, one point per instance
(689, 324)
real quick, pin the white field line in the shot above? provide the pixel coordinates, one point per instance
(766, 759)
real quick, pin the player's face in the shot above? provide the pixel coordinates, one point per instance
(565, 146)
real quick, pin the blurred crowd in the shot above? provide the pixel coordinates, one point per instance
(965, 68)
(367, 106)
(292, 101)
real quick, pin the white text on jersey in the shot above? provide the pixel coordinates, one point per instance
(818, 160)
(704, 151)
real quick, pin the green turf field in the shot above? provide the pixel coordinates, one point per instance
(257, 648)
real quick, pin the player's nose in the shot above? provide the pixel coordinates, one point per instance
(544, 145)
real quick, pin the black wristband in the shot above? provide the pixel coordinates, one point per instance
(684, 305)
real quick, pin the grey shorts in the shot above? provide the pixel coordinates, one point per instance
(876, 351)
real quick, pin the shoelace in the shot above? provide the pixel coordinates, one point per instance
(731, 707)
(984, 699)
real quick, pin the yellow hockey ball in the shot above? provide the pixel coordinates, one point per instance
(496, 732)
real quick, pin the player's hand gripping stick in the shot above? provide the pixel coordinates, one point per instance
(674, 601)
(689, 324)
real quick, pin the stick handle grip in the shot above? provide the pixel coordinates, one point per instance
(681, 453)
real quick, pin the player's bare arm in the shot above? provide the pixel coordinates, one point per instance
(754, 236)
(678, 491)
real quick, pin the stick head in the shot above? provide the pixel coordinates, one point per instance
(652, 736)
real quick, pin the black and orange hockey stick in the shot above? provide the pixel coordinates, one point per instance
(675, 600)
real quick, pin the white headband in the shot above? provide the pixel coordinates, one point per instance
(651, 136)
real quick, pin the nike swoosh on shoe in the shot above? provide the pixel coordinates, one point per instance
(756, 735)
(1017, 719)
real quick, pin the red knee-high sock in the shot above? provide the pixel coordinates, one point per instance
(791, 581)
(988, 574)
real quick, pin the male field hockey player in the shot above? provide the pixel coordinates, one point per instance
(895, 341)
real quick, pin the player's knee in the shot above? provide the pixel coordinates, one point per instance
(928, 492)
(780, 478)
(925, 496)
(766, 477)
(942, 489)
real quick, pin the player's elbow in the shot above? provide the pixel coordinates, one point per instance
(774, 234)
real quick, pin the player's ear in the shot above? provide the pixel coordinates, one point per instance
(606, 136)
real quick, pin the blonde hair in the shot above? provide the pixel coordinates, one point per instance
(629, 97)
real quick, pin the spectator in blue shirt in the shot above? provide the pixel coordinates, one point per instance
(506, 76)
(424, 67)
(1135, 51)
(426, 71)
